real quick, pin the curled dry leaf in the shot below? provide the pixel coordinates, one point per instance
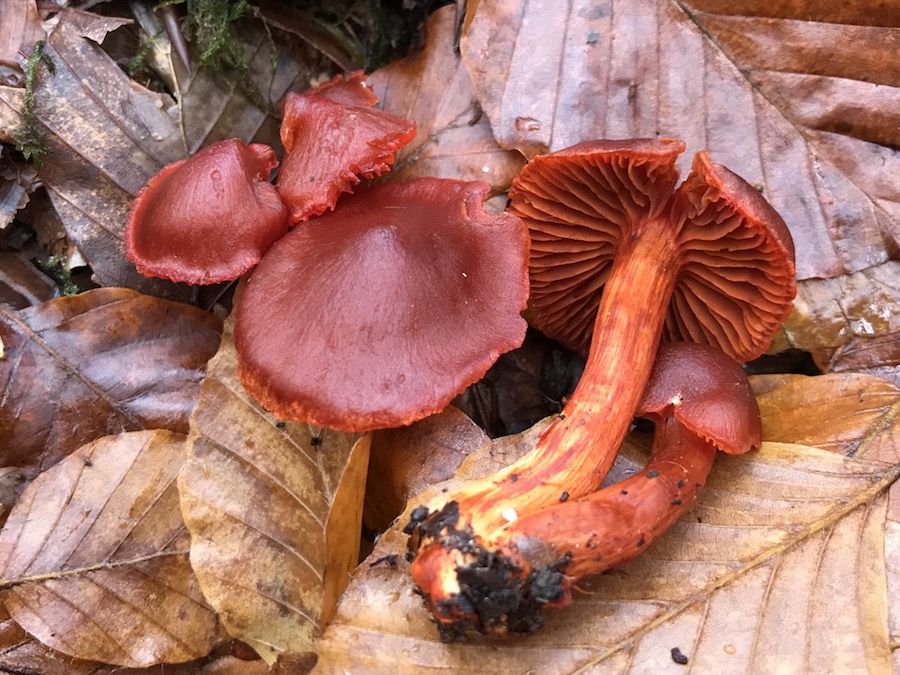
(94, 556)
(433, 87)
(274, 512)
(105, 361)
(778, 538)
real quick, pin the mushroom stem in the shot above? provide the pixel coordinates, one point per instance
(577, 450)
(536, 559)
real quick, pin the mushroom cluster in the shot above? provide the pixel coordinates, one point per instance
(370, 315)
(620, 260)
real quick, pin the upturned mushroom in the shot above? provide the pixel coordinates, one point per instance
(699, 400)
(379, 313)
(611, 238)
(208, 218)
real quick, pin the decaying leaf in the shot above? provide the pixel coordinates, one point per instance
(433, 87)
(274, 512)
(105, 137)
(780, 564)
(94, 556)
(850, 322)
(105, 361)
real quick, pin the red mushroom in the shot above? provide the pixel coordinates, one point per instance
(710, 262)
(331, 137)
(379, 313)
(208, 218)
(700, 400)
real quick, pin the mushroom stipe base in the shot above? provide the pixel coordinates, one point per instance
(494, 595)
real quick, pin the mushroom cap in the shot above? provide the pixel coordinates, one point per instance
(349, 89)
(736, 281)
(329, 143)
(379, 313)
(208, 218)
(707, 392)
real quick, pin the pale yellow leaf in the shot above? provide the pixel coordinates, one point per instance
(274, 515)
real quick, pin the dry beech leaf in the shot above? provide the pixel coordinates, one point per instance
(779, 566)
(274, 516)
(105, 361)
(406, 460)
(801, 99)
(94, 556)
(433, 87)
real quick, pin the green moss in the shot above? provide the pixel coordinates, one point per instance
(210, 27)
(56, 268)
(28, 135)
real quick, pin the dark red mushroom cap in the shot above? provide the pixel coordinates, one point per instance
(736, 281)
(332, 137)
(707, 392)
(379, 313)
(208, 218)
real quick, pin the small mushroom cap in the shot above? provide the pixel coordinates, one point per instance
(707, 392)
(736, 257)
(349, 89)
(330, 143)
(208, 218)
(379, 313)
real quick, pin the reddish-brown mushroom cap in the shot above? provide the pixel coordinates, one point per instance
(332, 137)
(349, 89)
(378, 313)
(705, 391)
(208, 218)
(735, 284)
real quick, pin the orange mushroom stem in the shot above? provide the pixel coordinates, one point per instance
(620, 259)
(699, 399)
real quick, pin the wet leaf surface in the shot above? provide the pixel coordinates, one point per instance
(92, 541)
(105, 361)
(274, 512)
(778, 538)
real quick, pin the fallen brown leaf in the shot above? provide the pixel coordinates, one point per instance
(433, 87)
(105, 137)
(780, 565)
(20, 28)
(93, 558)
(274, 515)
(105, 361)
